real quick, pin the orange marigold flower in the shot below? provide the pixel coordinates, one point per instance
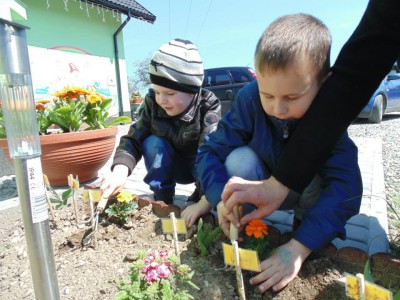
(257, 228)
(43, 101)
(39, 106)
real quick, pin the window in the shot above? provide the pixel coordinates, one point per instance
(240, 76)
(217, 77)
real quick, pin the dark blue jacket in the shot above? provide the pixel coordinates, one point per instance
(247, 124)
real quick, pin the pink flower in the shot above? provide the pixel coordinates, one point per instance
(163, 271)
(163, 253)
(151, 256)
(151, 276)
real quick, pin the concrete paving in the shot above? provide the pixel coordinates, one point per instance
(367, 231)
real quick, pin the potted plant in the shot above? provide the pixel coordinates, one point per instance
(136, 98)
(76, 136)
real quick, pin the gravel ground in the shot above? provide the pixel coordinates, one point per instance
(389, 131)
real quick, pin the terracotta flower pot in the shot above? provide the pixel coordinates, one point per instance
(136, 100)
(81, 154)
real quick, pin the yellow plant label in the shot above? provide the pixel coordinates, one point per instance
(95, 194)
(374, 291)
(352, 287)
(248, 259)
(167, 226)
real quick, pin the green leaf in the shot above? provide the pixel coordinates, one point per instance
(119, 120)
(367, 271)
(166, 288)
(397, 295)
(110, 211)
(122, 296)
(206, 236)
(65, 196)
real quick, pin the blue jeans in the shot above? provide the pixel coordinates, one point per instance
(255, 169)
(166, 166)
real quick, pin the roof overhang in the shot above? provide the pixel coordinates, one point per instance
(127, 7)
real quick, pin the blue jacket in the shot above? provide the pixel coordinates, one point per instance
(247, 124)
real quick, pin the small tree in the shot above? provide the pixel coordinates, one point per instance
(140, 80)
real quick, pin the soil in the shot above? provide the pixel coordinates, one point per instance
(89, 272)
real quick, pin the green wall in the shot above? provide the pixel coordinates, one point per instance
(67, 30)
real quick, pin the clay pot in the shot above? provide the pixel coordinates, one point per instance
(136, 99)
(81, 154)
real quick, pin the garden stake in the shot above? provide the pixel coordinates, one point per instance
(175, 233)
(234, 232)
(47, 184)
(95, 220)
(74, 185)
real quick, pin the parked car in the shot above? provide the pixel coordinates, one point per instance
(386, 98)
(225, 83)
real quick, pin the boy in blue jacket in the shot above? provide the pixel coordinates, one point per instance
(291, 61)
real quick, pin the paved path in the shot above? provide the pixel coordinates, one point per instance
(366, 231)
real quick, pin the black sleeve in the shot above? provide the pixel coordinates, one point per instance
(362, 63)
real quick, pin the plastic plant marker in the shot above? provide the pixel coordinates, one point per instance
(376, 292)
(352, 287)
(248, 259)
(168, 228)
(96, 195)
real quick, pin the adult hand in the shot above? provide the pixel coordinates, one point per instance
(114, 182)
(266, 195)
(282, 267)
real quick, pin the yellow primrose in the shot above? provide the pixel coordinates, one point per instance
(125, 196)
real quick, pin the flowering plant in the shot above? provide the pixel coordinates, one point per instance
(73, 109)
(2, 127)
(154, 275)
(136, 98)
(126, 203)
(255, 239)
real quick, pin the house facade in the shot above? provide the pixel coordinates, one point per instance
(72, 42)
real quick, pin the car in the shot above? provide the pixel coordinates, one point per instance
(386, 98)
(225, 83)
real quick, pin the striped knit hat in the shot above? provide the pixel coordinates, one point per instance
(177, 65)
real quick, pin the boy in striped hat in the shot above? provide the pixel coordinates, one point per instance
(176, 116)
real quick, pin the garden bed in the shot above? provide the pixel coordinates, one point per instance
(87, 273)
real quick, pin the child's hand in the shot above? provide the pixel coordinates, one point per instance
(191, 213)
(282, 267)
(224, 220)
(114, 182)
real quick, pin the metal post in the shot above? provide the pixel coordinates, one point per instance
(18, 107)
(37, 234)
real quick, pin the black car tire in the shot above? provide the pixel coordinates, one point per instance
(377, 110)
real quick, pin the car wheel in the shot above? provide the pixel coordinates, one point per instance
(377, 110)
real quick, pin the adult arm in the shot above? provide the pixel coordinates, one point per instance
(361, 65)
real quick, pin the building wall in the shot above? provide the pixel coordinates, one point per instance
(73, 45)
